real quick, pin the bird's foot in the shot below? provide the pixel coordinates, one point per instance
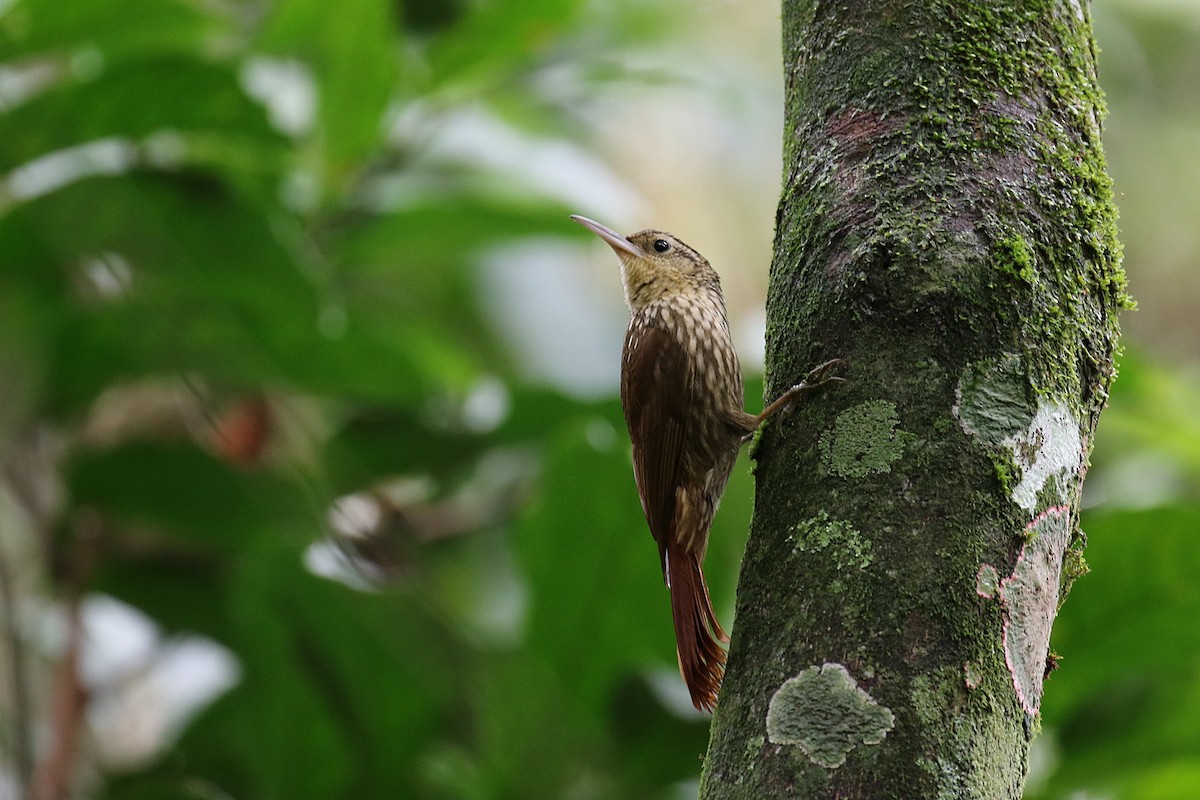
(816, 378)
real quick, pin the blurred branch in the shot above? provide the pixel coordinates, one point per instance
(387, 524)
(51, 778)
(30, 477)
(52, 773)
(18, 680)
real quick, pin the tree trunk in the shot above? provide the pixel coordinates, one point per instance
(947, 227)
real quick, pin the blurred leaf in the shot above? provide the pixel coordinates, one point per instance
(339, 695)
(496, 40)
(28, 327)
(1153, 408)
(353, 56)
(373, 668)
(381, 443)
(187, 494)
(451, 229)
(1125, 701)
(178, 587)
(175, 520)
(211, 289)
(1174, 780)
(376, 442)
(41, 27)
(657, 748)
(174, 94)
(537, 414)
(420, 264)
(422, 16)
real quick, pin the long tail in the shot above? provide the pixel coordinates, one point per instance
(698, 635)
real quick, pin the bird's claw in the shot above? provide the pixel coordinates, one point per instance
(816, 377)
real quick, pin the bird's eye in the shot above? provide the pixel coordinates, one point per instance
(661, 245)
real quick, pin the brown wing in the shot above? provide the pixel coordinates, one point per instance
(656, 398)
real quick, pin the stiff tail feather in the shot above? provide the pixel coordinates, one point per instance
(698, 635)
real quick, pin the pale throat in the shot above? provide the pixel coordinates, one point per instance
(638, 283)
(645, 286)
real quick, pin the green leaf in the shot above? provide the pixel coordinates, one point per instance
(495, 40)
(1153, 410)
(181, 492)
(1125, 700)
(352, 49)
(358, 682)
(419, 265)
(211, 289)
(177, 95)
(46, 27)
(29, 322)
(378, 443)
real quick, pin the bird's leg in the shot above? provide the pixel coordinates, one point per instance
(814, 380)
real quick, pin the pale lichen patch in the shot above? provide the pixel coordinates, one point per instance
(1030, 599)
(836, 539)
(991, 399)
(826, 714)
(1050, 447)
(992, 402)
(987, 581)
(864, 439)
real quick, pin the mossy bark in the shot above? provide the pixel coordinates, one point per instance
(947, 227)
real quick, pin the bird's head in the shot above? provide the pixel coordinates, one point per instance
(655, 265)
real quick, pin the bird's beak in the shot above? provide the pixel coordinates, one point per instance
(615, 240)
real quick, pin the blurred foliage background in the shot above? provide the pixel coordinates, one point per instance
(314, 477)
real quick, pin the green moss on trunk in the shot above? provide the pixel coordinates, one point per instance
(947, 227)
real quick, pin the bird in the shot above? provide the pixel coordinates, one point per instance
(681, 393)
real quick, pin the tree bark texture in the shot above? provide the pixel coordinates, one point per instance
(947, 227)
